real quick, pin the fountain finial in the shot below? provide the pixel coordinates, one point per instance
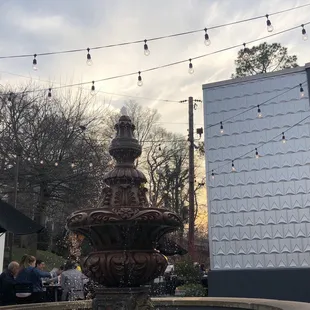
(124, 111)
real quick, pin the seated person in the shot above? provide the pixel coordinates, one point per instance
(7, 284)
(29, 275)
(72, 282)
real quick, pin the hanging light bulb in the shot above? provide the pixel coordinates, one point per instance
(233, 166)
(246, 51)
(304, 33)
(221, 128)
(146, 49)
(259, 112)
(29, 159)
(301, 90)
(93, 89)
(41, 162)
(207, 39)
(56, 164)
(190, 67)
(49, 94)
(90, 165)
(268, 22)
(140, 82)
(72, 165)
(10, 98)
(256, 153)
(34, 62)
(212, 174)
(283, 138)
(89, 61)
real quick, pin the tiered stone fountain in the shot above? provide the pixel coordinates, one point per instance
(125, 231)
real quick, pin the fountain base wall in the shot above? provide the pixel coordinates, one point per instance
(122, 299)
(184, 303)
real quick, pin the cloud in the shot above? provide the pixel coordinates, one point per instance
(39, 26)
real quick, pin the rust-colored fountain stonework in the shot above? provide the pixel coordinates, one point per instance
(125, 231)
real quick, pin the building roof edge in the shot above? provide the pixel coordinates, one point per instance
(255, 77)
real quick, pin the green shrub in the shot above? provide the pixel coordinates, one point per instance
(193, 290)
(187, 272)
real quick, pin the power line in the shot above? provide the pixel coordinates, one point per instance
(68, 51)
(166, 65)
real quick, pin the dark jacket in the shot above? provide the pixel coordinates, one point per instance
(34, 276)
(7, 290)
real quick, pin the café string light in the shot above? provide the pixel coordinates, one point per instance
(146, 49)
(35, 63)
(246, 51)
(221, 128)
(304, 33)
(207, 38)
(190, 67)
(269, 25)
(256, 153)
(140, 82)
(233, 166)
(301, 91)
(49, 94)
(259, 112)
(93, 89)
(89, 61)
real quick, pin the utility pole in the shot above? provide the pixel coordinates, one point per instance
(11, 235)
(191, 177)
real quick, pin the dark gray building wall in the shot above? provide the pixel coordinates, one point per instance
(278, 283)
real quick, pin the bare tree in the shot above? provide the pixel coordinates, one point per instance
(55, 144)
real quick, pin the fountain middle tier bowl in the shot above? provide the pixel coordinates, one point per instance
(123, 215)
(123, 228)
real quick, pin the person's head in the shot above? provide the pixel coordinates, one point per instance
(13, 267)
(70, 265)
(60, 270)
(27, 260)
(40, 264)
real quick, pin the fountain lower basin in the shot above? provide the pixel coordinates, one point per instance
(186, 303)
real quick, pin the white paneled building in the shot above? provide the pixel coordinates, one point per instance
(259, 214)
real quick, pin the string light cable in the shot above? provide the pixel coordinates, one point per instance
(258, 106)
(88, 50)
(97, 91)
(139, 73)
(77, 164)
(255, 150)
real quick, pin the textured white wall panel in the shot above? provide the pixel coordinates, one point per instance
(259, 216)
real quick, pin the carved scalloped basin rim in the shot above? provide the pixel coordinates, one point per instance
(103, 216)
(133, 266)
(181, 303)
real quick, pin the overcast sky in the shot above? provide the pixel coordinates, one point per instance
(35, 26)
